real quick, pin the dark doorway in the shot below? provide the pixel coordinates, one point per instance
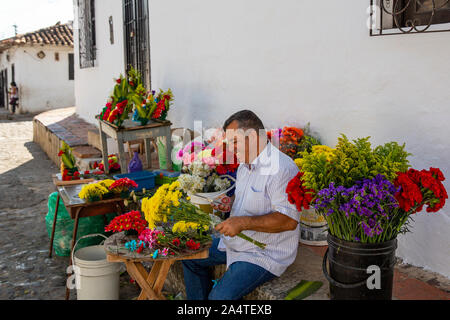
(4, 88)
(2, 91)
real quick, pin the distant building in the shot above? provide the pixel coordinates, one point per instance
(42, 65)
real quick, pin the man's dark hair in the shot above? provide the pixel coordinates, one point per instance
(13, 84)
(247, 120)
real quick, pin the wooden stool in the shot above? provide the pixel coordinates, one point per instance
(151, 283)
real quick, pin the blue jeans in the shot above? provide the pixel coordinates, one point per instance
(240, 279)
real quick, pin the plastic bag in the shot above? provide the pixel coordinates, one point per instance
(135, 164)
(65, 224)
(176, 146)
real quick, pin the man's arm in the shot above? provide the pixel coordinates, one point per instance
(274, 222)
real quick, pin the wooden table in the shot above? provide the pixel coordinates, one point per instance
(151, 283)
(78, 208)
(122, 135)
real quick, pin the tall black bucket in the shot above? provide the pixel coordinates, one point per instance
(349, 274)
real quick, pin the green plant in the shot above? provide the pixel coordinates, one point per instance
(353, 161)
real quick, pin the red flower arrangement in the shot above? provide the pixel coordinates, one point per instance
(290, 140)
(419, 188)
(176, 242)
(224, 167)
(123, 184)
(191, 244)
(128, 221)
(112, 162)
(298, 194)
(161, 107)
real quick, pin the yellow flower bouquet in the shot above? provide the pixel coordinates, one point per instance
(170, 209)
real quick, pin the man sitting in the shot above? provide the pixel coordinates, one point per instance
(260, 209)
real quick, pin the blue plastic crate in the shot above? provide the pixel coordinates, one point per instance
(144, 179)
(164, 176)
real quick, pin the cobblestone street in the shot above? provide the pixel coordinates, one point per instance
(26, 272)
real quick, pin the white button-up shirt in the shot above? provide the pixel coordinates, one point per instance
(260, 190)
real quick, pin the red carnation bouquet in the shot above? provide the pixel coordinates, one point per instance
(419, 188)
(298, 194)
(123, 185)
(126, 222)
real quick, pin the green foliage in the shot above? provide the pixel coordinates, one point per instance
(307, 142)
(353, 161)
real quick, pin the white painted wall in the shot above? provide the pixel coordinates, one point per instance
(298, 61)
(94, 85)
(43, 83)
(294, 62)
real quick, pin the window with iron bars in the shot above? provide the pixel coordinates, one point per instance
(137, 38)
(86, 30)
(409, 16)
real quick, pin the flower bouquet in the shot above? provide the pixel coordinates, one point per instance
(113, 163)
(173, 226)
(131, 222)
(203, 173)
(106, 189)
(154, 107)
(123, 186)
(69, 171)
(182, 222)
(127, 92)
(367, 196)
(293, 141)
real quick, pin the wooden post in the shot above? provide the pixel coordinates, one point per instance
(104, 144)
(122, 159)
(148, 153)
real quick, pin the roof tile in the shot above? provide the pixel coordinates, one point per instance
(59, 34)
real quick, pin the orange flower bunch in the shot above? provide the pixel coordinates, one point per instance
(290, 140)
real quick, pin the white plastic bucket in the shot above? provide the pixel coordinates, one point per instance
(95, 277)
(313, 236)
(312, 218)
(203, 200)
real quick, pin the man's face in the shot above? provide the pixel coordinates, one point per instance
(243, 143)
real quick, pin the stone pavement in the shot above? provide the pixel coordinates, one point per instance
(26, 272)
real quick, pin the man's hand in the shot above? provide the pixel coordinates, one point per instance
(226, 203)
(232, 226)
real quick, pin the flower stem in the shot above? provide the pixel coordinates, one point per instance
(257, 243)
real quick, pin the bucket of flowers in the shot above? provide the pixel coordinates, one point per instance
(368, 196)
(204, 175)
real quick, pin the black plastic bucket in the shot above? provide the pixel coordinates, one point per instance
(349, 274)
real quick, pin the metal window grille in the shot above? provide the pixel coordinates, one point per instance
(137, 41)
(87, 37)
(71, 67)
(408, 16)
